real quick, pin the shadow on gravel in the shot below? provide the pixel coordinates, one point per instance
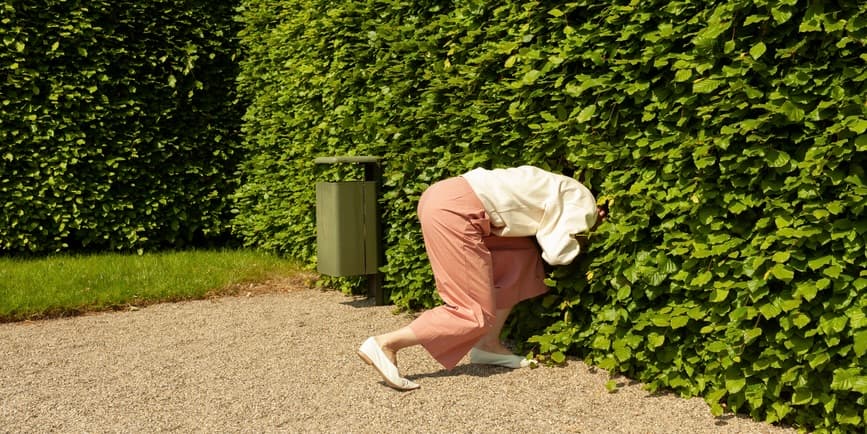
(360, 302)
(470, 370)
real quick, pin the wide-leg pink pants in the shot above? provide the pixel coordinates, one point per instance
(476, 273)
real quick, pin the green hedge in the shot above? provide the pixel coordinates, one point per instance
(118, 123)
(728, 139)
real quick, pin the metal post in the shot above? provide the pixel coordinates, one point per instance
(373, 172)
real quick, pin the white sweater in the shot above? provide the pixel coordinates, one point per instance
(526, 201)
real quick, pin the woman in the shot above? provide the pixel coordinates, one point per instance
(478, 231)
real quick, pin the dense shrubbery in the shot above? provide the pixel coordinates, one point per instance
(118, 123)
(728, 139)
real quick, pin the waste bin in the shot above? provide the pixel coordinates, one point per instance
(348, 232)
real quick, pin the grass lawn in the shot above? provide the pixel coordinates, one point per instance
(66, 285)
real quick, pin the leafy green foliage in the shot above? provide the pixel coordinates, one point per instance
(118, 123)
(727, 138)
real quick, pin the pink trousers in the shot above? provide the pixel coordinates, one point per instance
(476, 273)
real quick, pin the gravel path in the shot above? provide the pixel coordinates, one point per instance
(286, 362)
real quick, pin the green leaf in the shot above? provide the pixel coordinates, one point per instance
(777, 158)
(755, 394)
(718, 295)
(705, 85)
(782, 272)
(818, 359)
(849, 379)
(810, 23)
(833, 271)
(798, 345)
(655, 340)
(717, 346)
(662, 319)
(621, 350)
(789, 304)
(802, 396)
(860, 340)
(601, 343)
(781, 15)
(531, 76)
(848, 416)
(779, 411)
(735, 380)
(792, 111)
(682, 75)
(702, 279)
(782, 221)
(558, 357)
(679, 321)
(586, 113)
(800, 320)
(781, 257)
(608, 363)
(750, 335)
(807, 290)
(819, 262)
(556, 13)
(857, 317)
(713, 400)
(715, 27)
(831, 324)
(624, 292)
(758, 50)
(769, 310)
(857, 125)
(835, 206)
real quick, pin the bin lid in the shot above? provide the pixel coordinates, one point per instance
(347, 159)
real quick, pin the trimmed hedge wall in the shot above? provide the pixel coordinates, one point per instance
(118, 123)
(728, 139)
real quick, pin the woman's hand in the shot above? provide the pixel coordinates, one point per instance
(601, 216)
(584, 238)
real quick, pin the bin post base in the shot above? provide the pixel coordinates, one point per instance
(375, 290)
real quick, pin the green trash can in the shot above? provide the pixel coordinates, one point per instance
(346, 228)
(348, 232)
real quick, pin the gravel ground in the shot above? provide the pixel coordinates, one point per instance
(286, 362)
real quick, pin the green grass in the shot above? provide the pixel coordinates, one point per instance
(67, 285)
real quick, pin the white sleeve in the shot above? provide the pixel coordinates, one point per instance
(558, 245)
(564, 217)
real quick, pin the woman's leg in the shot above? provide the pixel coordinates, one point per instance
(453, 222)
(397, 340)
(491, 341)
(518, 275)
